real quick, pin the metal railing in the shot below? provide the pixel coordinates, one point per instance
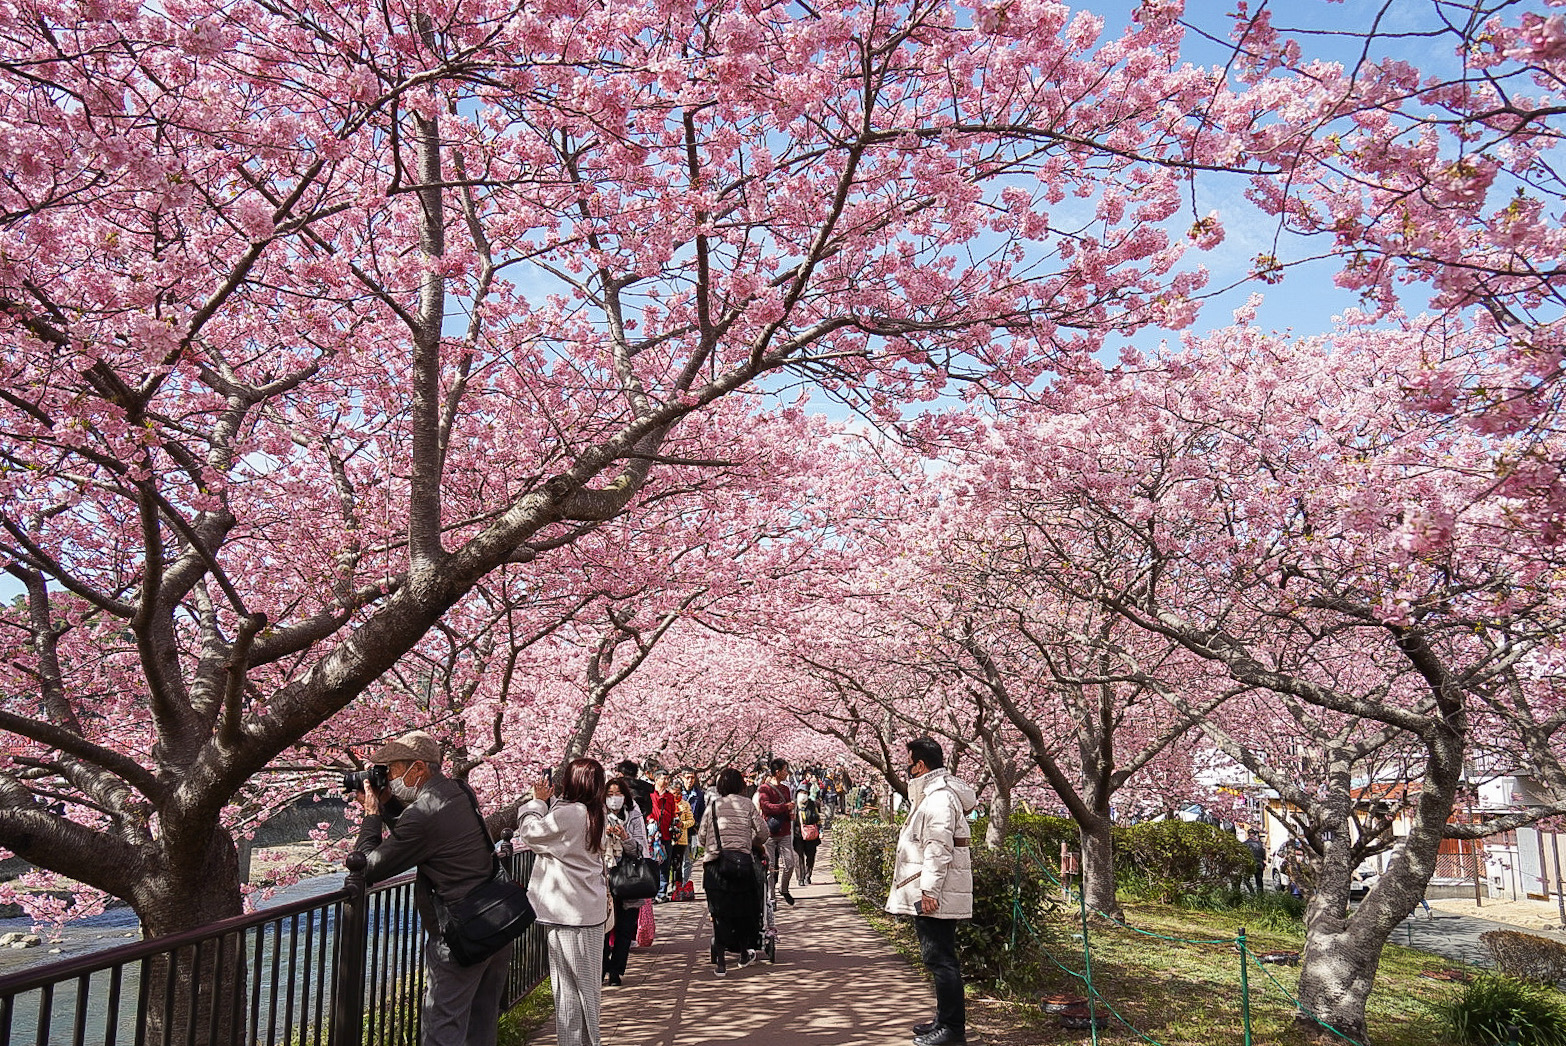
(340, 969)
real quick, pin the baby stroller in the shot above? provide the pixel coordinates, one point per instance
(736, 894)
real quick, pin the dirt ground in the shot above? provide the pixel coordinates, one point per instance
(1525, 915)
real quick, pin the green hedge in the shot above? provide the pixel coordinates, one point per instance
(862, 853)
(1042, 833)
(1168, 860)
(1172, 860)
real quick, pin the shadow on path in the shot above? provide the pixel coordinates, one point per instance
(836, 983)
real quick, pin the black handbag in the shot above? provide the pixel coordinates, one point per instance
(633, 878)
(490, 916)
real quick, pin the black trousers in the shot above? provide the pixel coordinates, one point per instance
(938, 950)
(806, 849)
(673, 869)
(624, 933)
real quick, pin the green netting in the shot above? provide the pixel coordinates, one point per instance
(1021, 923)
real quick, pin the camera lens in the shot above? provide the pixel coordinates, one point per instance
(377, 777)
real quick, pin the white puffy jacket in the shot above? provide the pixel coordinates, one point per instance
(932, 851)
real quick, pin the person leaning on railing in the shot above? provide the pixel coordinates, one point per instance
(439, 832)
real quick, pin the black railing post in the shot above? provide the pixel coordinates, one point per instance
(348, 994)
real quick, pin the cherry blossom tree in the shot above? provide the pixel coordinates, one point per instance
(1347, 564)
(1092, 721)
(323, 313)
(1432, 182)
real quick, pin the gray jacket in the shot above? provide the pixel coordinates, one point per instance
(732, 823)
(438, 833)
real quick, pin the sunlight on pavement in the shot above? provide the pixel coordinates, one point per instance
(836, 983)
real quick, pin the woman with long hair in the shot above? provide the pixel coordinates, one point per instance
(570, 891)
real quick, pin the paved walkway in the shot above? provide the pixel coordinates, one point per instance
(836, 981)
(1453, 936)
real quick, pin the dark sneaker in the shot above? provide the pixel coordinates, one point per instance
(747, 957)
(940, 1037)
(788, 897)
(925, 1027)
(719, 971)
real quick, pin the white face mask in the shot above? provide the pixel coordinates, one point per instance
(615, 803)
(404, 792)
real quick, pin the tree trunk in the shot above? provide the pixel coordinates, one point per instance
(197, 995)
(1343, 948)
(1337, 971)
(1000, 820)
(1098, 866)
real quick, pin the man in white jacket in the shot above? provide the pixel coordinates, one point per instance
(932, 880)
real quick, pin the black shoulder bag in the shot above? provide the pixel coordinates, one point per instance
(633, 878)
(493, 914)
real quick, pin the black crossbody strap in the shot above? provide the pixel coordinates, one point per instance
(496, 870)
(489, 840)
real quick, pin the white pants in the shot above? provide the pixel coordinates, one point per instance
(576, 972)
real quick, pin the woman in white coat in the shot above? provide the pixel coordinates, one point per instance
(570, 892)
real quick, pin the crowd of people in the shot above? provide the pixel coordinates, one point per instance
(755, 832)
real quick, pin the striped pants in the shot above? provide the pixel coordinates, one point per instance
(576, 971)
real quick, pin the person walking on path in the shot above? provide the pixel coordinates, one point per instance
(932, 881)
(807, 837)
(570, 892)
(696, 796)
(641, 788)
(731, 878)
(622, 812)
(680, 839)
(777, 806)
(665, 812)
(1253, 843)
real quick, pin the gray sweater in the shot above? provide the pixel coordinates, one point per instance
(736, 821)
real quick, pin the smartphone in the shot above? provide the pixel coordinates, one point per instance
(549, 776)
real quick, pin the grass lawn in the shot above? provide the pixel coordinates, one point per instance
(1179, 994)
(522, 1023)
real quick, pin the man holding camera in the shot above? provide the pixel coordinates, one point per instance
(440, 833)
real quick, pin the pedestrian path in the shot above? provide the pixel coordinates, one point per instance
(836, 983)
(1452, 935)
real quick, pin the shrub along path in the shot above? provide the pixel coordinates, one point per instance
(836, 982)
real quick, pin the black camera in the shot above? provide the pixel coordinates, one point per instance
(376, 777)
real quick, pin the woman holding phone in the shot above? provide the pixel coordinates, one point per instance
(570, 891)
(627, 817)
